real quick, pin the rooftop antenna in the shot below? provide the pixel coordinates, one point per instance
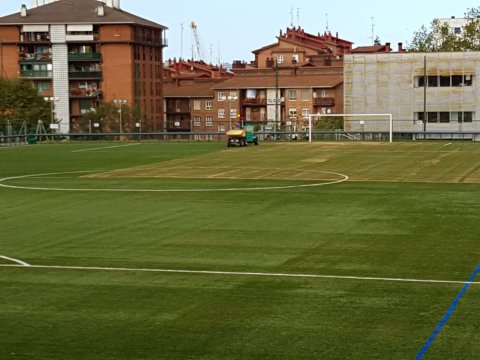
(181, 41)
(326, 17)
(291, 16)
(373, 31)
(298, 17)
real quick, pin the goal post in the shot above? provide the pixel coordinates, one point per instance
(355, 118)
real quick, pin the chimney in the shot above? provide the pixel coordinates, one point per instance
(400, 47)
(388, 47)
(109, 3)
(23, 11)
(116, 4)
(100, 10)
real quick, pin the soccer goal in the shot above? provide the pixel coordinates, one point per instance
(356, 123)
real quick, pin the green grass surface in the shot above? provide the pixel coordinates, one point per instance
(408, 211)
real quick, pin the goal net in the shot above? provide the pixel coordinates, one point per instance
(352, 123)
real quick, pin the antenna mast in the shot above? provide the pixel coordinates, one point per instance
(181, 41)
(326, 17)
(373, 31)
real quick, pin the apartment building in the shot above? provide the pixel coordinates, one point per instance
(78, 53)
(190, 104)
(296, 76)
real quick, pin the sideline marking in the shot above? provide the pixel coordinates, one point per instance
(449, 313)
(106, 147)
(239, 273)
(342, 179)
(20, 262)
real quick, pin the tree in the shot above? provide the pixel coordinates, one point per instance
(440, 37)
(107, 115)
(330, 123)
(20, 102)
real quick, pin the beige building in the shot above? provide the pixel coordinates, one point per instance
(435, 92)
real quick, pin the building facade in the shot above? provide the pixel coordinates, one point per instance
(190, 104)
(435, 92)
(78, 53)
(299, 75)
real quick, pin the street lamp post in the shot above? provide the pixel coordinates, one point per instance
(52, 100)
(120, 102)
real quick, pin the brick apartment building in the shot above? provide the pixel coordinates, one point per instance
(298, 75)
(189, 96)
(80, 52)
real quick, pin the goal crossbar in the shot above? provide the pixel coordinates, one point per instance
(319, 117)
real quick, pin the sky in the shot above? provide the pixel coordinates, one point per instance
(231, 30)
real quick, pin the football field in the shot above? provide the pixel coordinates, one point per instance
(280, 251)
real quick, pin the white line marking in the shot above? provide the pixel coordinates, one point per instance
(106, 147)
(235, 273)
(447, 145)
(342, 179)
(20, 262)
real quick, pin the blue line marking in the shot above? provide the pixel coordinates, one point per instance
(447, 316)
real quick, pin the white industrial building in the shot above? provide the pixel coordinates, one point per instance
(440, 87)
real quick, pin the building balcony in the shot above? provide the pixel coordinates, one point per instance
(35, 57)
(324, 102)
(177, 110)
(178, 126)
(81, 75)
(36, 74)
(35, 38)
(253, 102)
(85, 57)
(83, 93)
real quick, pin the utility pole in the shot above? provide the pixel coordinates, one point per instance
(277, 97)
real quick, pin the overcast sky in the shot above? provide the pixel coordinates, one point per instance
(231, 30)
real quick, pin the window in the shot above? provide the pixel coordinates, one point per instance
(467, 117)
(197, 105)
(221, 96)
(221, 128)
(432, 117)
(305, 95)
(432, 81)
(221, 113)
(262, 114)
(421, 81)
(456, 117)
(458, 30)
(43, 85)
(280, 58)
(208, 121)
(305, 113)
(197, 121)
(444, 117)
(444, 81)
(208, 105)
(233, 113)
(292, 95)
(295, 58)
(292, 113)
(447, 117)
